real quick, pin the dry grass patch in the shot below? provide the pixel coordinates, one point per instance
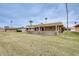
(13, 43)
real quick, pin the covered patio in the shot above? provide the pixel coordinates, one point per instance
(46, 28)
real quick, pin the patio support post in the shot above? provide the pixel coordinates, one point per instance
(56, 28)
(39, 28)
(44, 28)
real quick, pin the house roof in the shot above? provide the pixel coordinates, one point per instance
(42, 25)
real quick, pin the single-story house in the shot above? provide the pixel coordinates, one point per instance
(10, 30)
(77, 27)
(1, 30)
(49, 28)
(19, 29)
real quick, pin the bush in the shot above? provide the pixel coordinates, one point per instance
(19, 30)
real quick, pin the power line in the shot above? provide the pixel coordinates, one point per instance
(67, 15)
(11, 23)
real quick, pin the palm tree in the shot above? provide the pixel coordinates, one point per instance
(30, 22)
(45, 19)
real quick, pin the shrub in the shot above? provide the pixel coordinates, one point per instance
(19, 30)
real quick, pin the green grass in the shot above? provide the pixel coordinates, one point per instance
(22, 44)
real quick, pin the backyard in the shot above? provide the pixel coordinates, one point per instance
(23, 44)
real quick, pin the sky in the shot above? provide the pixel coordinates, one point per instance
(21, 13)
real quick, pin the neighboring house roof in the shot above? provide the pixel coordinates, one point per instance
(42, 25)
(10, 28)
(21, 28)
(1, 28)
(77, 25)
(14, 28)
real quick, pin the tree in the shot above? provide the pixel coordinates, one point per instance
(30, 22)
(46, 20)
(75, 22)
(11, 23)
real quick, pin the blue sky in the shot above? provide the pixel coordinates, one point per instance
(22, 13)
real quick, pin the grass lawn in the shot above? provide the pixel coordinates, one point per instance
(14, 44)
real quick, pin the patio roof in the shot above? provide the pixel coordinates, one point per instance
(43, 25)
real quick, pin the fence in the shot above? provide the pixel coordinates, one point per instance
(43, 32)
